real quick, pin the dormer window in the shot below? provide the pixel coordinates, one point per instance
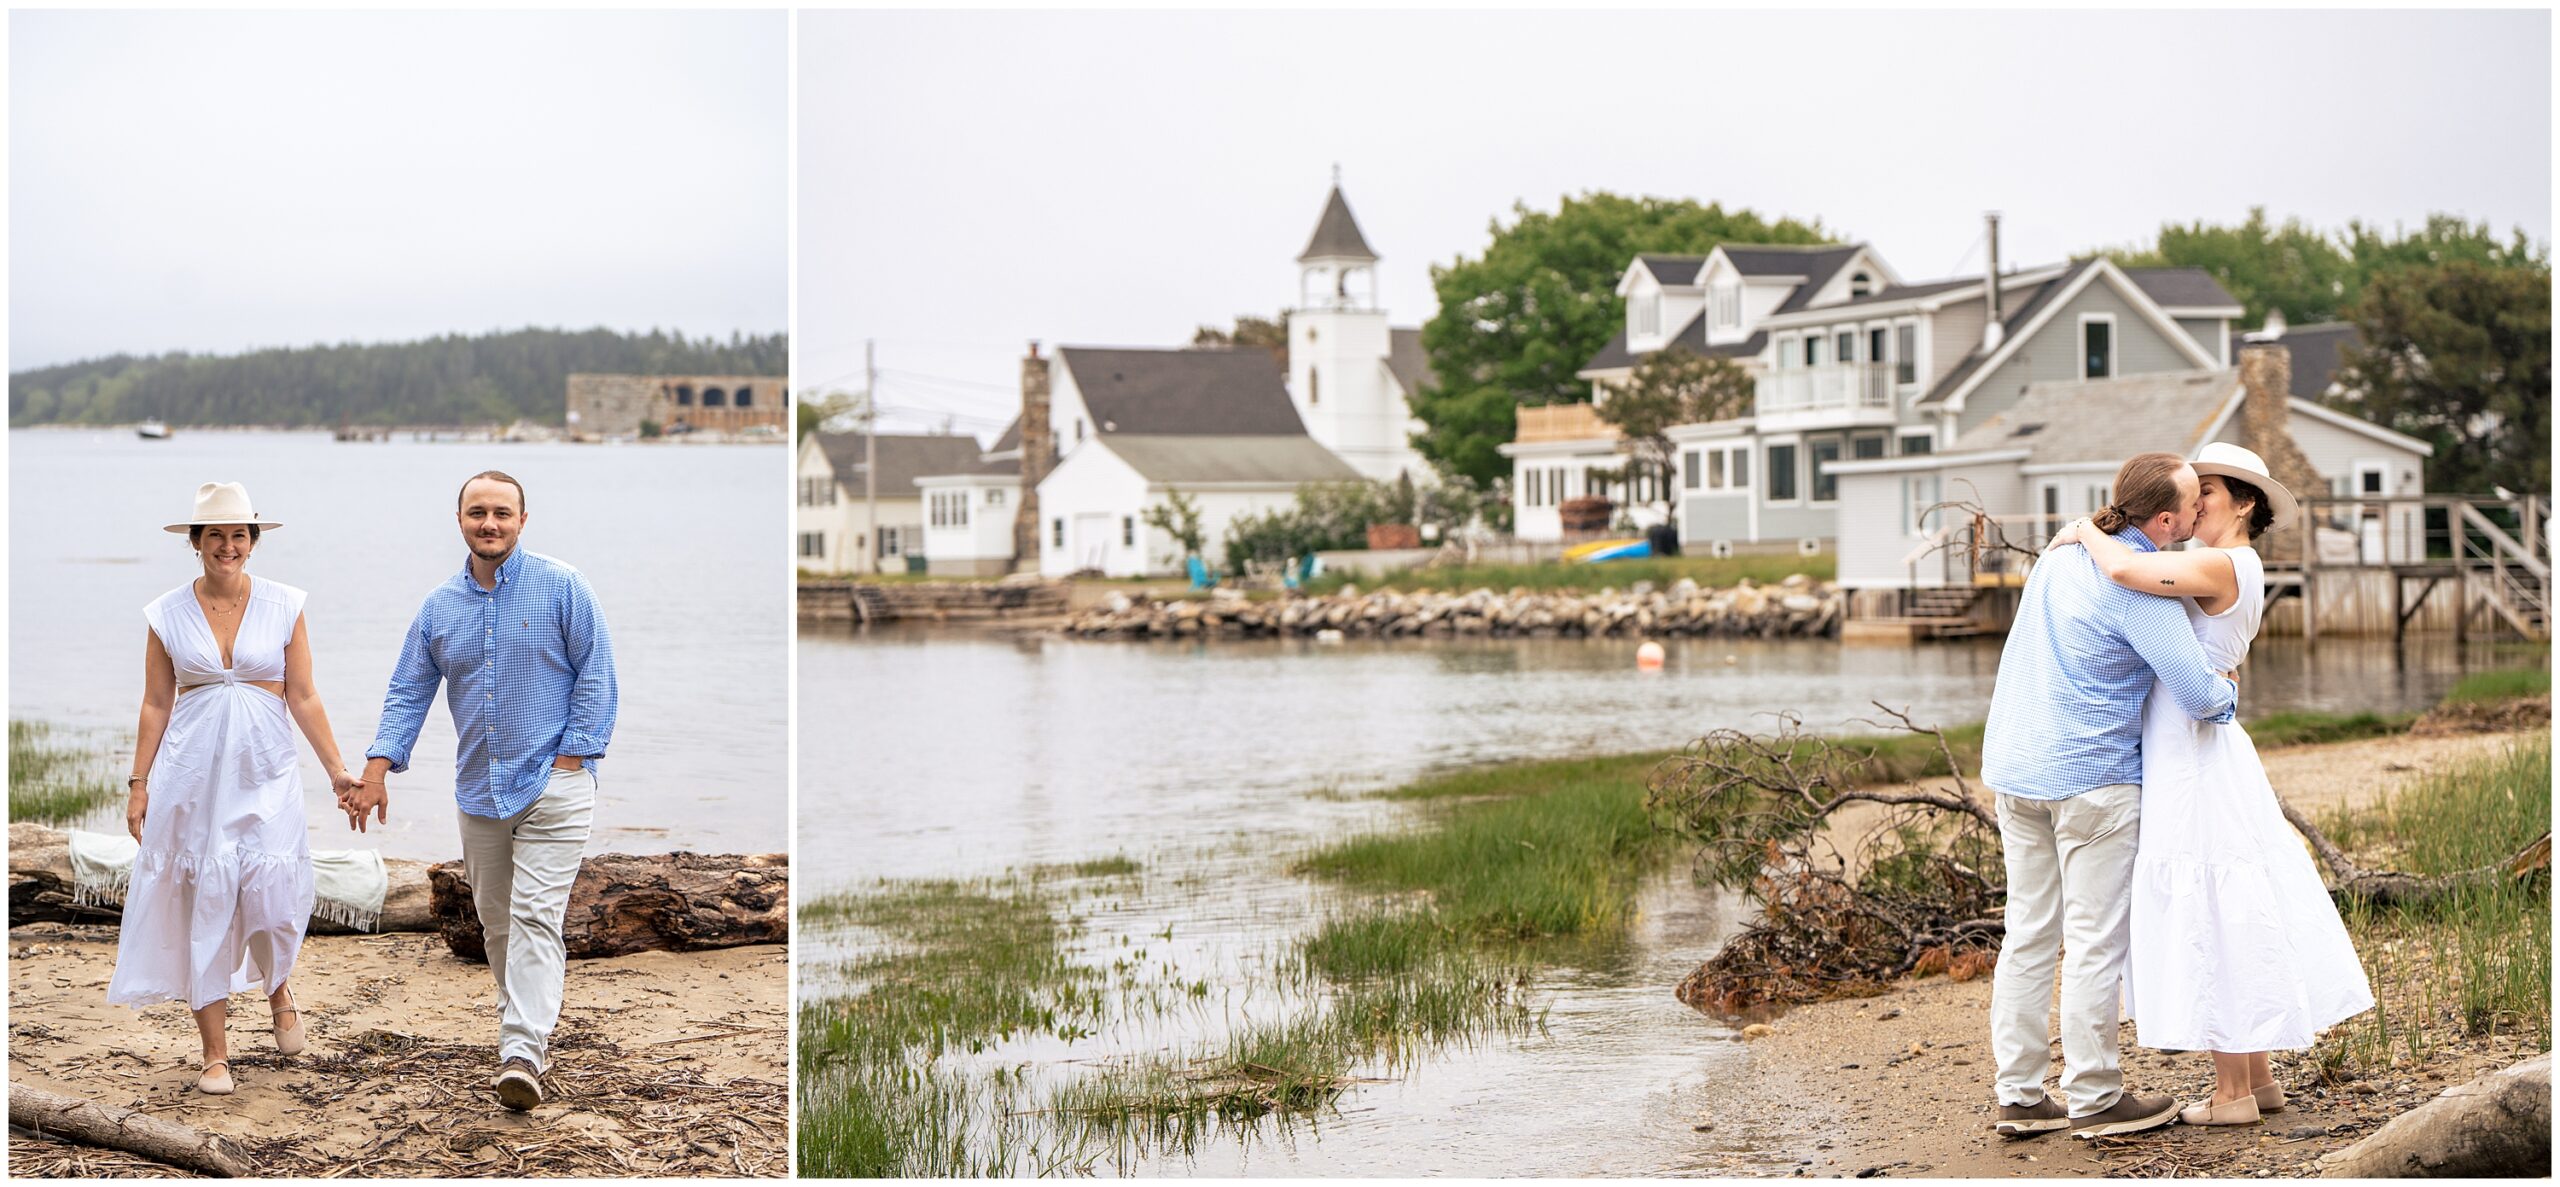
(1649, 314)
(1861, 284)
(1728, 304)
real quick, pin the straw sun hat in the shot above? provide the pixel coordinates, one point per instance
(2231, 461)
(223, 503)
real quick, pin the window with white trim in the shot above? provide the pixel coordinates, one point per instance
(1919, 443)
(1861, 284)
(813, 544)
(1844, 347)
(1689, 469)
(1128, 531)
(1906, 353)
(1867, 445)
(1879, 344)
(1782, 473)
(995, 496)
(2097, 346)
(1822, 451)
(1729, 304)
(1649, 314)
(1715, 470)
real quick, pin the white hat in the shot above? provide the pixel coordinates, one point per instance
(223, 503)
(2231, 461)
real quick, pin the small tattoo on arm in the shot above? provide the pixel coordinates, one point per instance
(2166, 581)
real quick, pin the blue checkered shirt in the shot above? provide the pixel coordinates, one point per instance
(528, 674)
(2066, 711)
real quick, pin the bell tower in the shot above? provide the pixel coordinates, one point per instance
(1338, 347)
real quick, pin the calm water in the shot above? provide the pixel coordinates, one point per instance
(680, 544)
(928, 753)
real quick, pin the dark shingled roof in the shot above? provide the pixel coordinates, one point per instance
(1183, 393)
(2107, 420)
(1406, 361)
(904, 457)
(1693, 336)
(2318, 352)
(1673, 269)
(1905, 292)
(1819, 268)
(1337, 234)
(1778, 259)
(2026, 311)
(1010, 440)
(2181, 288)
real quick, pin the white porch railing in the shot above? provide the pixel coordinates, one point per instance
(1836, 385)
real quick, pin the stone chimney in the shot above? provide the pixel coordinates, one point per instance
(1039, 453)
(2266, 380)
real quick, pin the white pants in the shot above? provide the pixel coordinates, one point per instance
(2070, 866)
(521, 869)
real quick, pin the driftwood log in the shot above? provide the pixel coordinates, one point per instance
(40, 888)
(95, 1124)
(620, 904)
(2497, 1126)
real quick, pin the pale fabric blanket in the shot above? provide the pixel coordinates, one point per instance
(350, 883)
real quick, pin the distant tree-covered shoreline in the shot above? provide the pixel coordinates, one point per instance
(454, 379)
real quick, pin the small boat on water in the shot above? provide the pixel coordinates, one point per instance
(152, 430)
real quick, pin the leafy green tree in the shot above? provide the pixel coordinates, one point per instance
(1517, 322)
(1670, 387)
(806, 416)
(1325, 516)
(2458, 355)
(452, 379)
(2315, 276)
(1178, 516)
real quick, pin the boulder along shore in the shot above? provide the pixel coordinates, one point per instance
(1796, 607)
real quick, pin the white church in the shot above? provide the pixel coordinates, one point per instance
(1225, 428)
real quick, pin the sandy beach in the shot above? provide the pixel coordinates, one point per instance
(1900, 1084)
(664, 1064)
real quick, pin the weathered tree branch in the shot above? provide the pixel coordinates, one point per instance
(93, 1123)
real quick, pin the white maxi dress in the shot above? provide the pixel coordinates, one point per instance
(2235, 944)
(221, 891)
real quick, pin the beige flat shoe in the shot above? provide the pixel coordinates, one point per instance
(2270, 1097)
(288, 1039)
(2243, 1111)
(213, 1083)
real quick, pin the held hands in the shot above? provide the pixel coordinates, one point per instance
(370, 794)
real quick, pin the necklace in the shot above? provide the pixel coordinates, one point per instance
(218, 608)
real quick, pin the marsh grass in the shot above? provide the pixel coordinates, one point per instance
(2475, 963)
(2308, 728)
(2500, 685)
(1557, 576)
(965, 965)
(56, 779)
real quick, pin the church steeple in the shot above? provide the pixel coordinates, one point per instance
(1335, 255)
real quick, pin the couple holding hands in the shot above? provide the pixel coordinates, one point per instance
(222, 890)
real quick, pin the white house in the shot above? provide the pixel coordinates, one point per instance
(1134, 425)
(1351, 375)
(835, 531)
(2050, 456)
(1849, 363)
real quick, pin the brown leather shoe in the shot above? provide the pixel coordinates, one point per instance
(2130, 1114)
(518, 1087)
(2026, 1121)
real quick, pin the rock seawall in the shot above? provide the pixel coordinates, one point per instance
(1797, 607)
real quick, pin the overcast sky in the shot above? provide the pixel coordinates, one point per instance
(219, 181)
(972, 181)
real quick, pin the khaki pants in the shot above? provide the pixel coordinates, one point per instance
(2070, 866)
(521, 869)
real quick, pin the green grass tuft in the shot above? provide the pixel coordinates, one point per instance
(54, 782)
(2309, 728)
(2501, 685)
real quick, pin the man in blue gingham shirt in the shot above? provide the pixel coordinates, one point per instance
(521, 648)
(2063, 750)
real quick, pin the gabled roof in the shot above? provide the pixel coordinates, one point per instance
(1272, 460)
(1673, 270)
(2093, 421)
(1010, 439)
(1822, 265)
(1199, 393)
(1337, 234)
(2010, 324)
(2182, 288)
(904, 457)
(1407, 362)
(1905, 292)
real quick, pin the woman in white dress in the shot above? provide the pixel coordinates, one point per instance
(2237, 949)
(221, 890)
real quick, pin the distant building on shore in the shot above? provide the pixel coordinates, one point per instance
(717, 407)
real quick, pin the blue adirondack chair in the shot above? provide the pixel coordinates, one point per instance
(1200, 578)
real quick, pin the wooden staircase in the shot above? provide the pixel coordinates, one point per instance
(869, 604)
(2506, 577)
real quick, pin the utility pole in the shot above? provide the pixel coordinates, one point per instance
(871, 451)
